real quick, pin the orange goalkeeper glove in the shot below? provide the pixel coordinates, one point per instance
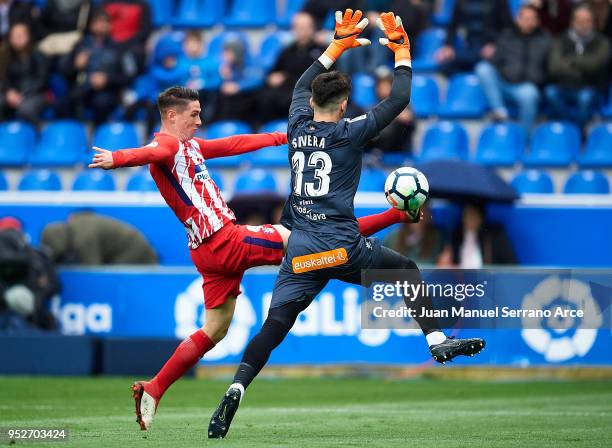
(396, 38)
(348, 28)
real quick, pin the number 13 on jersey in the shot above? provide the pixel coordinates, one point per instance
(322, 164)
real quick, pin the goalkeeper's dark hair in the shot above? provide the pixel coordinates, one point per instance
(330, 89)
(176, 97)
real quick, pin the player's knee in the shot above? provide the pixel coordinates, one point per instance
(217, 329)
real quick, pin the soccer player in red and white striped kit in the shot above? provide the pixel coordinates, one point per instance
(220, 249)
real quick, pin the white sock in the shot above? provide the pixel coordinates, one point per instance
(238, 386)
(435, 338)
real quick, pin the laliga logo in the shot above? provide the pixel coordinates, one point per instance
(189, 314)
(558, 344)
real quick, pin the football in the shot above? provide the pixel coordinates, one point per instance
(407, 189)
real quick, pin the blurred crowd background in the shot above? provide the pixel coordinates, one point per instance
(519, 86)
(532, 78)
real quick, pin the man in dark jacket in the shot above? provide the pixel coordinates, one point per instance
(92, 239)
(578, 65)
(23, 89)
(291, 62)
(99, 68)
(479, 22)
(15, 11)
(518, 69)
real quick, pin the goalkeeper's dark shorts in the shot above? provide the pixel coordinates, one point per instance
(313, 260)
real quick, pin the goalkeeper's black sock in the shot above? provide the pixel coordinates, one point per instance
(275, 328)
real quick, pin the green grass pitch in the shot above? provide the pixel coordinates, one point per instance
(98, 412)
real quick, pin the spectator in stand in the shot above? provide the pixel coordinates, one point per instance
(398, 135)
(292, 61)
(476, 243)
(415, 15)
(99, 70)
(602, 10)
(554, 14)
(421, 242)
(91, 239)
(16, 11)
(578, 65)
(62, 24)
(518, 69)
(164, 71)
(239, 81)
(200, 72)
(27, 281)
(194, 64)
(479, 22)
(23, 89)
(320, 9)
(131, 26)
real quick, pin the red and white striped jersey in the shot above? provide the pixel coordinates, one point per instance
(179, 171)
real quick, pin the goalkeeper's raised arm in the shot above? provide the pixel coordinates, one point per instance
(396, 40)
(346, 35)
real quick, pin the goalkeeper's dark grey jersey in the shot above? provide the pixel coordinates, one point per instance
(325, 158)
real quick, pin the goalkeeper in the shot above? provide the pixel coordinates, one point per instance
(325, 153)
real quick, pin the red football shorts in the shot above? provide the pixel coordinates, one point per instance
(223, 258)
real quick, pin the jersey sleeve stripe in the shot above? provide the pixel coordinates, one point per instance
(174, 183)
(263, 243)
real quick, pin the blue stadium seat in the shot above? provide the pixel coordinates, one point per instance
(587, 182)
(17, 141)
(270, 48)
(40, 180)
(227, 128)
(426, 46)
(372, 180)
(93, 180)
(272, 156)
(113, 136)
(395, 159)
(161, 11)
(255, 181)
(464, 98)
(217, 179)
(3, 182)
(251, 13)
(285, 14)
(424, 96)
(215, 46)
(141, 180)
(553, 144)
(62, 143)
(442, 16)
(598, 151)
(198, 13)
(364, 90)
(445, 140)
(533, 181)
(500, 144)
(222, 129)
(606, 109)
(274, 126)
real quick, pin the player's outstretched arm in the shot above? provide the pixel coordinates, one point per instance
(239, 144)
(396, 40)
(160, 150)
(346, 36)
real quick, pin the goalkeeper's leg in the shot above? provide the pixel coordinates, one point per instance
(442, 348)
(275, 328)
